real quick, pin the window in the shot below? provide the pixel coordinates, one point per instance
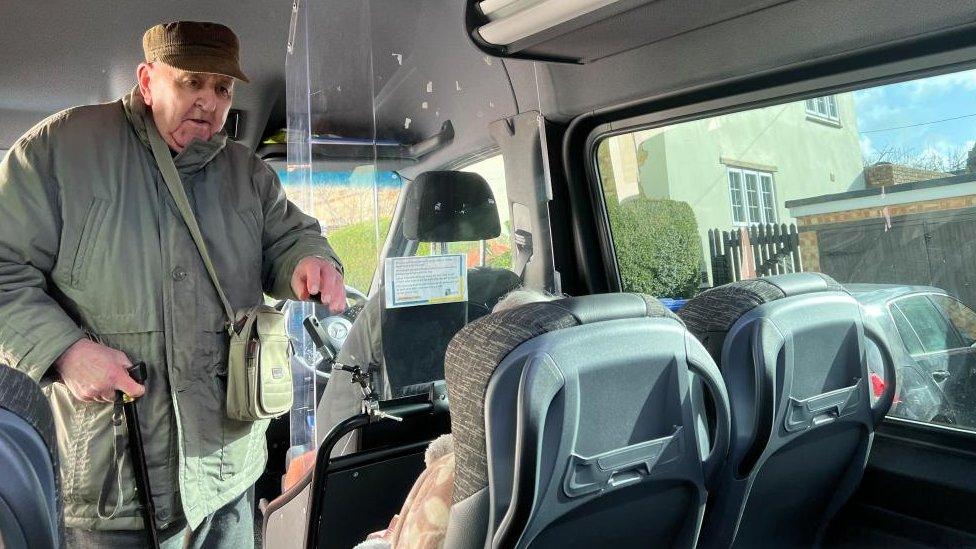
(907, 332)
(823, 107)
(931, 328)
(704, 202)
(751, 195)
(962, 318)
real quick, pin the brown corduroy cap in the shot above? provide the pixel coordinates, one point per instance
(195, 47)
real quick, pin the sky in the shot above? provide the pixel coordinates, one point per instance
(941, 111)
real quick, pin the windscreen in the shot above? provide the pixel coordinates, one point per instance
(392, 138)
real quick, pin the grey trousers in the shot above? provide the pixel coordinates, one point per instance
(230, 527)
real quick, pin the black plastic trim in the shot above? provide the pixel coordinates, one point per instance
(961, 442)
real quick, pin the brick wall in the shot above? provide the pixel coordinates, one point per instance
(925, 206)
(810, 251)
(884, 174)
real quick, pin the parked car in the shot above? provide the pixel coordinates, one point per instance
(932, 337)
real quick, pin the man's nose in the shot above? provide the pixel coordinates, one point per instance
(207, 100)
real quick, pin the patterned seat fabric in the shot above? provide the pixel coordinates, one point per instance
(712, 313)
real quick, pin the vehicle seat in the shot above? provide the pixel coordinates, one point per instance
(791, 349)
(574, 426)
(30, 499)
(441, 206)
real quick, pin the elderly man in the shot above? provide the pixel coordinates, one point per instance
(98, 270)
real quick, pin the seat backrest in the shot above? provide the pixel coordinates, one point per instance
(441, 206)
(792, 351)
(575, 426)
(30, 503)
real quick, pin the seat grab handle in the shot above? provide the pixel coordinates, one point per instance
(814, 411)
(620, 467)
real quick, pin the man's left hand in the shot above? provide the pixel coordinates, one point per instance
(319, 279)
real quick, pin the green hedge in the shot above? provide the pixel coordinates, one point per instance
(658, 248)
(358, 249)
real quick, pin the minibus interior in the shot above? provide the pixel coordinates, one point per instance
(744, 223)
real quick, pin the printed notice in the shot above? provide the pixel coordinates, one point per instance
(425, 280)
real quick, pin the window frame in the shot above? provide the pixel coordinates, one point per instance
(744, 196)
(829, 103)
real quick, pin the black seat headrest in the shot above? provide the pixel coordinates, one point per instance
(712, 313)
(449, 206)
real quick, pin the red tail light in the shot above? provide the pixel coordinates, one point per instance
(877, 385)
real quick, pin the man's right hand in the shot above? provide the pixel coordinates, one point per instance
(93, 372)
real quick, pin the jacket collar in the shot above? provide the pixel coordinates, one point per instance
(193, 157)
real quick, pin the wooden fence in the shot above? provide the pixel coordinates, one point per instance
(775, 249)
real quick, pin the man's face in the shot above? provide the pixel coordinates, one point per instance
(185, 105)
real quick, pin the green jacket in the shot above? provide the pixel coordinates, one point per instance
(91, 243)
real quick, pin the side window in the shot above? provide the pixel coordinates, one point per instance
(843, 184)
(906, 331)
(928, 323)
(962, 318)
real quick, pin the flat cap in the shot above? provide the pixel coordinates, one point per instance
(196, 47)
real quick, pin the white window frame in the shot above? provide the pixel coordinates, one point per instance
(824, 108)
(744, 200)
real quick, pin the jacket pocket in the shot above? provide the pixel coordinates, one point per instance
(87, 240)
(237, 437)
(86, 439)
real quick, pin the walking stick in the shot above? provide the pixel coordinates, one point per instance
(137, 455)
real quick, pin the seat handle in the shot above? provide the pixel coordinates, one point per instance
(621, 467)
(715, 384)
(802, 414)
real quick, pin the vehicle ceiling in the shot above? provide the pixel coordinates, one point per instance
(62, 53)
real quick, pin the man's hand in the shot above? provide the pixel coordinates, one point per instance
(315, 275)
(94, 372)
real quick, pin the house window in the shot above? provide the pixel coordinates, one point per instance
(751, 195)
(823, 107)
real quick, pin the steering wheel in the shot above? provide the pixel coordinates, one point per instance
(355, 298)
(335, 327)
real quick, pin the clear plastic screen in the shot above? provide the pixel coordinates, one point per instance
(378, 93)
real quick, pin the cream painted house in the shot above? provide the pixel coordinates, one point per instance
(739, 169)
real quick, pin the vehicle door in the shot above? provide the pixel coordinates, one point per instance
(959, 381)
(928, 336)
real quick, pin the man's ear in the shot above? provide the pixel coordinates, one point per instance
(143, 76)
